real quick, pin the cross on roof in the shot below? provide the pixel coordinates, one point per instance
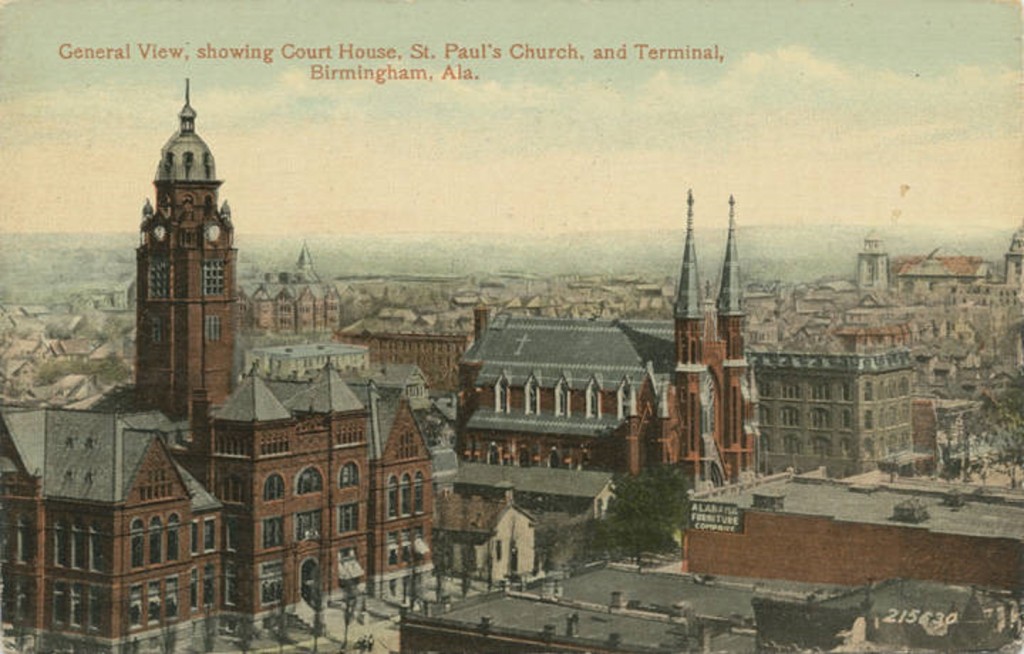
(521, 342)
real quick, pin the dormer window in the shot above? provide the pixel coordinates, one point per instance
(532, 397)
(501, 396)
(593, 399)
(623, 399)
(563, 399)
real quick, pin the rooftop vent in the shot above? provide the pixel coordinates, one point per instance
(953, 499)
(911, 510)
(769, 501)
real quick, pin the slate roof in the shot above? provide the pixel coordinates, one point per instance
(326, 393)
(548, 481)
(201, 499)
(76, 452)
(548, 348)
(486, 418)
(252, 401)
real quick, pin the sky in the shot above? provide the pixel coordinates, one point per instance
(817, 112)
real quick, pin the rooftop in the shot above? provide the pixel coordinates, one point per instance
(574, 483)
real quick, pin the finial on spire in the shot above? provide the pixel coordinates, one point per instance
(186, 90)
(732, 212)
(689, 209)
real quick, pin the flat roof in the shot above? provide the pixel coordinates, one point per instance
(308, 350)
(984, 513)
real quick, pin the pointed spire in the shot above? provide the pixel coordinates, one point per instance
(730, 295)
(688, 293)
(187, 114)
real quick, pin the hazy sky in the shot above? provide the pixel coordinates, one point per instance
(820, 112)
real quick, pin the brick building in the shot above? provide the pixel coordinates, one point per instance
(437, 355)
(617, 395)
(825, 531)
(194, 505)
(291, 301)
(845, 411)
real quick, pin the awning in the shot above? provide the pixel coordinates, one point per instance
(421, 547)
(349, 569)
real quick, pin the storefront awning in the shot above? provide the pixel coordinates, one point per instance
(350, 569)
(421, 547)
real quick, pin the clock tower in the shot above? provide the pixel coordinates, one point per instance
(185, 317)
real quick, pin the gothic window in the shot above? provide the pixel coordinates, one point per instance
(623, 400)
(309, 481)
(172, 537)
(212, 329)
(553, 460)
(138, 543)
(593, 400)
(501, 396)
(349, 475)
(392, 497)
(159, 277)
(273, 488)
(406, 492)
(213, 277)
(417, 493)
(532, 397)
(563, 399)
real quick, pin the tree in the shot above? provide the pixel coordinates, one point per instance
(646, 513)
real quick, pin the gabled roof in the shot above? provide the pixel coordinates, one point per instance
(85, 455)
(473, 514)
(252, 401)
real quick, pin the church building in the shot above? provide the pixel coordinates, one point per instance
(618, 395)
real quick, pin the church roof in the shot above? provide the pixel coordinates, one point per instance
(485, 418)
(578, 349)
(252, 401)
(535, 480)
(730, 294)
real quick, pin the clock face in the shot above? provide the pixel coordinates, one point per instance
(159, 232)
(212, 232)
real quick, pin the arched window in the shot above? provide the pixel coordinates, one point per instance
(623, 399)
(406, 495)
(309, 481)
(417, 493)
(155, 539)
(553, 460)
(138, 544)
(349, 475)
(593, 400)
(493, 454)
(392, 497)
(172, 537)
(273, 488)
(562, 399)
(531, 402)
(501, 396)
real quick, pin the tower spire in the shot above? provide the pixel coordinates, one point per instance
(688, 294)
(187, 114)
(730, 295)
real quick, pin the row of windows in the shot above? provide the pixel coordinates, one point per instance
(76, 605)
(157, 536)
(404, 545)
(160, 277)
(562, 399)
(823, 446)
(823, 391)
(307, 527)
(156, 600)
(309, 481)
(211, 329)
(823, 418)
(405, 497)
(74, 547)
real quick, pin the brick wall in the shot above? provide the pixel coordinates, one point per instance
(823, 550)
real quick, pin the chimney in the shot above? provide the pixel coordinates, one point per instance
(549, 631)
(572, 625)
(618, 600)
(614, 639)
(508, 491)
(485, 622)
(481, 314)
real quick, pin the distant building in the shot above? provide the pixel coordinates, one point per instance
(293, 301)
(873, 265)
(303, 361)
(846, 411)
(436, 354)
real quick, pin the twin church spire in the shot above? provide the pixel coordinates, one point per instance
(730, 292)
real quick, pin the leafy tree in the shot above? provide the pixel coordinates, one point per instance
(645, 515)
